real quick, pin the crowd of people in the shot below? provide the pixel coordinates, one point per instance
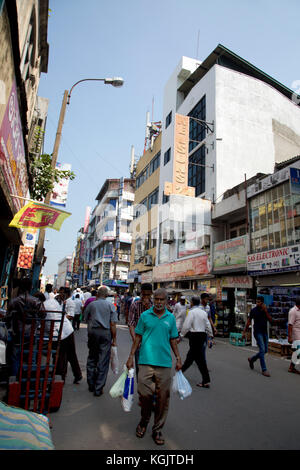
(156, 326)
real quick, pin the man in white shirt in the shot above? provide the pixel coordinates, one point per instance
(77, 312)
(197, 326)
(67, 351)
(86, 295)
(179, 312)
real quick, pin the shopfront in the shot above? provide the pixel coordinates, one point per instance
(277, 279)
(235, 297)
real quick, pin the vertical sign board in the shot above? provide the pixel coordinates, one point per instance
(12, 152)
(179, 185)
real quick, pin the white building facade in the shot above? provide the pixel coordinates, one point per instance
(242, 122)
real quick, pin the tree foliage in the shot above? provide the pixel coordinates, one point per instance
(44, 176)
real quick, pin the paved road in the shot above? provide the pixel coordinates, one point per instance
(242, 409)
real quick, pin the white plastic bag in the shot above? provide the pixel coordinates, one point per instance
(181, 385)
(127, 398)
(114, 360)
(2, 352)
(118, 387)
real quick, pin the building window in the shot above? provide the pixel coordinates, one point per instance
(197, 129)
(167, 156)
(142, 177)
(196, 177)
(169, 119)
(274, 219)
(165, 199)
(152, 199)
(154, 164)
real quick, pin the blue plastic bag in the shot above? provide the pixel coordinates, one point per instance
(181, 385)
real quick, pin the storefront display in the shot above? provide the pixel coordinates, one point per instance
(279, 300)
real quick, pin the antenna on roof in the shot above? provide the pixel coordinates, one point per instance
(197, 54)
(152, 131)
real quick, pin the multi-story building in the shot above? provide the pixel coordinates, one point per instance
(109, 237)
(274, 253)
(64, 272)
(23, 56)
(144, 226)
(224, 121)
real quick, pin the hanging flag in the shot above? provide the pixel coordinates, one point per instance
(37, 215)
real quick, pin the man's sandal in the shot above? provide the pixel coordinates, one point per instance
(294, 371)
(140, 431)
(203, 385)
(158, 439)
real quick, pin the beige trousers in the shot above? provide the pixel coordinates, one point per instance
(154, 380)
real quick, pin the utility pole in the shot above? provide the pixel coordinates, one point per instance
(40, 244)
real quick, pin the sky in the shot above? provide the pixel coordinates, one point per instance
(142, 42)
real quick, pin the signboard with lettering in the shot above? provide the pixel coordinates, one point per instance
(179, 185)
(230, 254)
(274, 261)
(181, 269)
(12, 153)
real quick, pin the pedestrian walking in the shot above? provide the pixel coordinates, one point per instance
(179, 312)
(77, 312)
(101, 317)
(48, 291)
(128, 302)
(86, 294)
(204, 304)
(294, 331)
(261, 317)
(156, 334)
(89, 300)
(197, 325)
(67, 351)
(136, 309)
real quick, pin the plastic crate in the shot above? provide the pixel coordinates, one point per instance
(236, 339)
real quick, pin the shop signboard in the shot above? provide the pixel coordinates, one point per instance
(147, 276)
(181, 269)
(274, 261)
(230, 254)
(242, 282)
(25, 257)
(12, 153)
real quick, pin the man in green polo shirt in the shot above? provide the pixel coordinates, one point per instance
(156, 334)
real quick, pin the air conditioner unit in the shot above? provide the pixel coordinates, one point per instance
(168, 236)
(274, 179)
(148, 260)
(203, 241)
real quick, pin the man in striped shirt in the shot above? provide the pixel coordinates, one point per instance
(137, 307)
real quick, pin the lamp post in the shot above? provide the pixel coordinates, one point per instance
(116, 82)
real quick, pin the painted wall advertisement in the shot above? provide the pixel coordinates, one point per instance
(274, 261)
(12, 153)
(230, 254)
(182, 269)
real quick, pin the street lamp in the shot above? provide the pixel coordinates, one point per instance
(116, 82)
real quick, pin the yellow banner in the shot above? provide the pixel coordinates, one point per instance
(37, 215)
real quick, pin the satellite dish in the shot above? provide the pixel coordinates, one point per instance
(296, 357)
